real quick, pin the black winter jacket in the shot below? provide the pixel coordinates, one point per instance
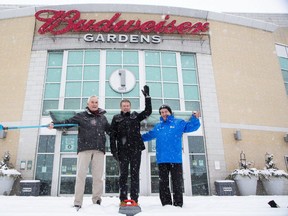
(125, 130)
(91, 129)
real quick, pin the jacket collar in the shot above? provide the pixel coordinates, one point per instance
(101, 111)
(170, 118)
(125, 114)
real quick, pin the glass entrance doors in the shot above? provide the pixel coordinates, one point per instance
(111, 175)
(197, 174)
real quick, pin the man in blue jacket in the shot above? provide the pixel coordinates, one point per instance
(168, 134)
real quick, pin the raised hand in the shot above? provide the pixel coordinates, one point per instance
(145, 91)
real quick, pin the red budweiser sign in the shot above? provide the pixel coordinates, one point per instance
(61, 22)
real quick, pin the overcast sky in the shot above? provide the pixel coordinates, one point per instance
(252, 6)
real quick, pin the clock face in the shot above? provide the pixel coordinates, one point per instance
(122, 81)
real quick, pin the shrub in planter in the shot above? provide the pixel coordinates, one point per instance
(246, 178)
(272, 178)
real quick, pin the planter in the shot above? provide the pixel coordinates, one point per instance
(273, 181)
(247, 185)
(6, 184)
(274, 185)
(7, 178)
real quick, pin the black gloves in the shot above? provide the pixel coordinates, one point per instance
(145, 91)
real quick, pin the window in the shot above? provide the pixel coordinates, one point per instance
(44, 165)
(122, 60)
(190, 82)
(284, 69)
(53, 82)
(74, 74)
(69, 143)
(162, 78)
(198, 166)
(111, 175)
(82, 78)
(282, 53)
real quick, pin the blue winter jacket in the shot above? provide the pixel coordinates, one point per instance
(168, 135)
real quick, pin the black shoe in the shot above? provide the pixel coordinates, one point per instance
(77, 207)
(273, 204)
(178, 204)
(98, 202)
(167, 204)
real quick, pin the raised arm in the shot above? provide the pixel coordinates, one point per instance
(148, 107)
(193, 124)
(149, 135)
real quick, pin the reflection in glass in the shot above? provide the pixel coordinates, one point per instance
(196, 144)
(67, 185)
(44, 169)
(112, 175)
(198, 175)
(154, 175)
(46, 144)
(49, 105)
(69, 166)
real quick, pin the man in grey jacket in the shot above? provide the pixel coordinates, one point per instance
(92, 125)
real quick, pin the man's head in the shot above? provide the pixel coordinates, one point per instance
(165, 111)
(125, 106)
(92, 103)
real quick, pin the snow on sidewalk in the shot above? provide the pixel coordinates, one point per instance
(194, 206)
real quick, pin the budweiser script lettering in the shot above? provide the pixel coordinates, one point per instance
(60, 22)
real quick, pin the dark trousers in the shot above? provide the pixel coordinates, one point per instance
(176, 171)
(132, 159)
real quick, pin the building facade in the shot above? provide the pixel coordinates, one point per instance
(233, 69)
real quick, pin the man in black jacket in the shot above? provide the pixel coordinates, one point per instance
(126, 144)
(92, 125)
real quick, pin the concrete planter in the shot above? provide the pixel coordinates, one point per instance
(7, 178)
(247, 185)
(6, 184)
(274, 185)
(274, 181)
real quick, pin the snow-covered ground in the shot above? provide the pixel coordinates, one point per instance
(194, 206)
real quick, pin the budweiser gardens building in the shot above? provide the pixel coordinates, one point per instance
(233, 68)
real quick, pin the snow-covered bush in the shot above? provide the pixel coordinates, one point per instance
(244, 172)
(268, 173)
(244, 168)
(271, 170)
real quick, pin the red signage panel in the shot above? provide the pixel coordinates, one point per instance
(60, 22)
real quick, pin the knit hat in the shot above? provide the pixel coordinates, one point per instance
(165, 107)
